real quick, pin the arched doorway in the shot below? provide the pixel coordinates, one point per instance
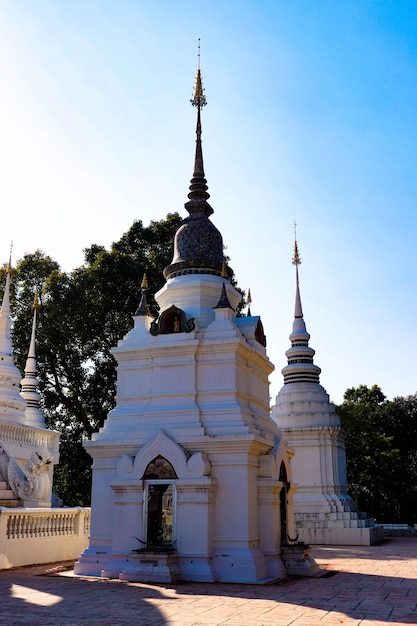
(283, 503)
(160, 499)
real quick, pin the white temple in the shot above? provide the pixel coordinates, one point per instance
(28, 449)
(324, 513)
(191, 478)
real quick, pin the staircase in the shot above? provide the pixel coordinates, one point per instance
(7, 497)
(335, 520)
(339, 515)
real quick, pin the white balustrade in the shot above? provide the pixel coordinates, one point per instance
(27, 436)
(31, 536)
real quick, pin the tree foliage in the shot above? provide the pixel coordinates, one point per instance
(381, 450)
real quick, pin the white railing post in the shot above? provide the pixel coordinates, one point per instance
(3, 535)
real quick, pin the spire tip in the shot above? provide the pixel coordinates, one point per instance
(296, 259)
(9, 265)
(199, 99)
(144, 284)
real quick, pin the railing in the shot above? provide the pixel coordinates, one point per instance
(31, 536)
(25, 435)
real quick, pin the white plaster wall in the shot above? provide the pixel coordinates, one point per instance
(208, 392)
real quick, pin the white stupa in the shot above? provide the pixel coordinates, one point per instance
(28, 450)
(12, 406)
(29, 384)
(324, 513)
(189, 468)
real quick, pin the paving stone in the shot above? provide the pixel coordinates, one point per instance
(373, 586)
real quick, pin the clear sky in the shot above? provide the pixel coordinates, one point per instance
(311, 117)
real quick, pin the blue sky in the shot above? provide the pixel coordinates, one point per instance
(311, 116)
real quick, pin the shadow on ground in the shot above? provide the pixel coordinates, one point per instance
(376, 584)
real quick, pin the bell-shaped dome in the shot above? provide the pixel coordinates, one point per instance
(198, 248)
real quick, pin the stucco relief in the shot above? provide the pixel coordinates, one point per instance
(195, 466)
(35, 485)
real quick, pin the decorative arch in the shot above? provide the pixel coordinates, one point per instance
(162, 445)
(283, 475)
(172, 320)
(283, 494)
(159, 468)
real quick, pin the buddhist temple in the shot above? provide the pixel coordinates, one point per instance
(191, 477)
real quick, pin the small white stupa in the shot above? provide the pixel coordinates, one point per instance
(28, 449)
(189, 469)
(324, 512)
(12, 405)
(29, 384)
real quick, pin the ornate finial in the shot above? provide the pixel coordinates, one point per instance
(224, 270)
(198, 99)
(296, 260)
(249, 302)
(143, 308)
(144, 284)
(198, 194)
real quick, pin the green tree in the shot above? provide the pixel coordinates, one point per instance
(400, 423)
(381, 451)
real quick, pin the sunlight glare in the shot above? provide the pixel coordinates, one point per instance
(33, 596)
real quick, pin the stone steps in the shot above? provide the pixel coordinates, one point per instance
(345, 519)
(7, 497)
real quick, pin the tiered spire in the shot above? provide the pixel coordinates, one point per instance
(198, 245)
(29, 384)
(300, 368)
(5, 319)
(198, 188)
(299, 324)
(12, 406)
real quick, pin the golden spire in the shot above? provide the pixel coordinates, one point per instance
(144, 284)
(198, 99)
(224, 270)
(296, 260)
(198, 194)
(143, 308)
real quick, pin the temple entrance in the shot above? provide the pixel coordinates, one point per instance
(159, 514)
(283, 503)
(160, 503)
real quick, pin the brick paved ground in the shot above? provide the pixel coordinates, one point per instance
(370, 586)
